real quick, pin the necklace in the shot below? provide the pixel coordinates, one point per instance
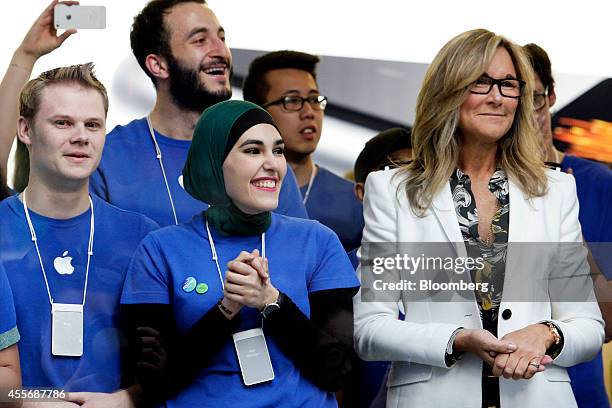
(490, 237)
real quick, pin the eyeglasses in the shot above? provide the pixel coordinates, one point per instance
(295, 103)
(508, 87)
(391, 164)
(539, 99)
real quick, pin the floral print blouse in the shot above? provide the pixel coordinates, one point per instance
(494, 255)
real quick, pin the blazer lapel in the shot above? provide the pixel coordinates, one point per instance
(523, 218)
(521, 211)
(444, 210)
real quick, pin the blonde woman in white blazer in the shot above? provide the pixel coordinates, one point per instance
(477, 181)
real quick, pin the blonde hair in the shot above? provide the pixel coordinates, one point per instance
(434, 135)
(29, 102)
(81, 74)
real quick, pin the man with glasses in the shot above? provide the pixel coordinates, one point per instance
(594, 189)
(284, 82)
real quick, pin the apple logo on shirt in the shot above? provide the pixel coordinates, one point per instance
(63, 264)
(180, 180)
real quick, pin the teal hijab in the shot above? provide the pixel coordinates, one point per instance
(215, 134)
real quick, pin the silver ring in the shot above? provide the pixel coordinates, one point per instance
(536, 365)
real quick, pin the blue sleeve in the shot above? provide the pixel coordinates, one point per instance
(602, 248)
(147, 279)
(354, 258)
(334, 269)
(595, 197)
(9, 334)
(97, 185)
(290, 201)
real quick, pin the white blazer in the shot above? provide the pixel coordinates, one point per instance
(419, 376)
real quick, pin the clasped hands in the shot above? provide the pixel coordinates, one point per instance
(518, 355)
(247, 283)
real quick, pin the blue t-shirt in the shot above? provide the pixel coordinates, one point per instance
(9, 334)
(594, 190)
(304, 257)
(63, 249)
(130, 177)
(332, 202)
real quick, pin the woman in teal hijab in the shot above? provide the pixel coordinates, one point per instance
(239, 274)
(215, 134)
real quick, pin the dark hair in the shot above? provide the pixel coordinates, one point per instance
(376, 152)
(541, 64)
(255, 88)
(4, 191)
(149, 34)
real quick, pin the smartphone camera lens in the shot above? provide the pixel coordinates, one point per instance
(68, 17)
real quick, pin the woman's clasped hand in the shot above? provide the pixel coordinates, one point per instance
(247, 282)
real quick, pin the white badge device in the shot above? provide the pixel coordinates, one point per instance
(74, 16)
(67, 329)
(253, 356)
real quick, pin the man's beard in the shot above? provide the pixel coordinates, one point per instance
(187, 90)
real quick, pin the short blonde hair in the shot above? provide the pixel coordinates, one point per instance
(81, 74)
(434, 135)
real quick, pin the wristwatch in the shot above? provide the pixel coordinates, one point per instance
(555, 349)
(271, 308)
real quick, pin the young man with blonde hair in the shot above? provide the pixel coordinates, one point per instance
(66, 252)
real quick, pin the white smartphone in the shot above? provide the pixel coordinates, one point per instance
(79, 17)
(253, 356)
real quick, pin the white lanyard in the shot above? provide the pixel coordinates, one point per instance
(161, 165)
(312, 177)
(216, 258)
(35, 240)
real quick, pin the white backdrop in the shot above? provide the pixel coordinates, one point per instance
(576, 34)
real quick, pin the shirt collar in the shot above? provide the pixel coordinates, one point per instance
(498, 181)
